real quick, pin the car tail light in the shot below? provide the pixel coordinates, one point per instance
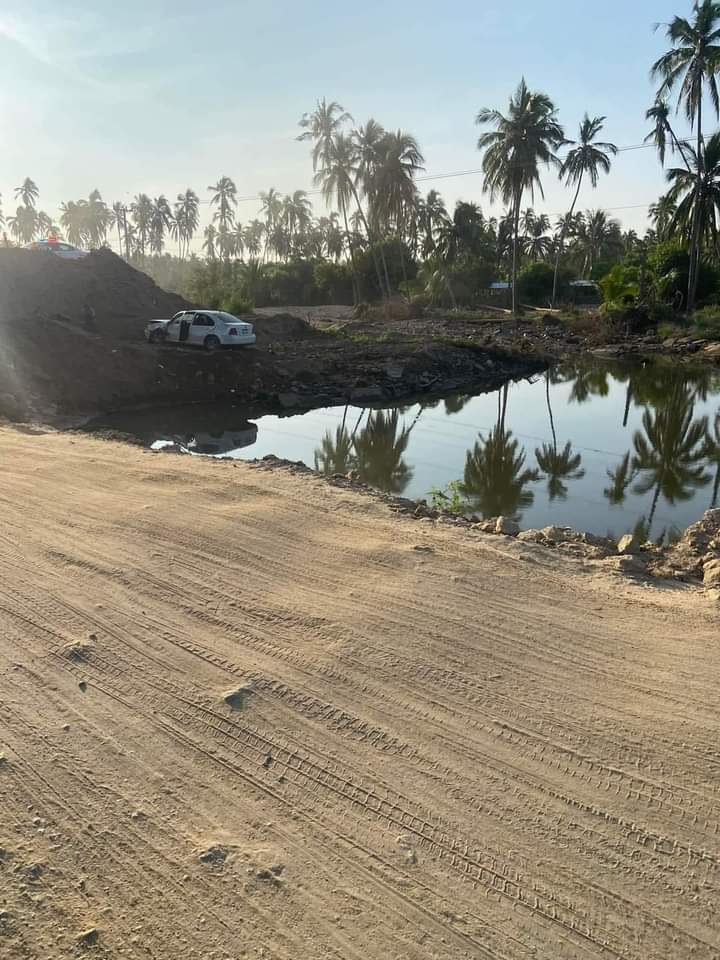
(232, 331)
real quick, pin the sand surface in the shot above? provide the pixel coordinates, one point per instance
(244, 713)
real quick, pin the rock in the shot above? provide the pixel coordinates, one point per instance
(711, 573)
(627, 564)
(214, 854)
(593, 540)
(712, 350)
(531, 536)
(366, 394)
(289, 399)
(394, 371)
(628, 544)
(237, 699)
(507, 526)
(559, 534)
(88, 937)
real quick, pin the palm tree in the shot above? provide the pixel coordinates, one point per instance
(393, 179)
(669, 454)
(23, 223)
(297, 215)
(253, 237)
(141, 211)
(272, 208)
(118, 218)
(224, 197)
(321, 126)
(161, 218)
(434, 222)
(589, 157)
(521, 141)
(186, 220)
(693, 61)
(662, 214)
(535, 243)
(696, 194)
(27, 193)
(210, 241)
(597, 234)
(662, 130)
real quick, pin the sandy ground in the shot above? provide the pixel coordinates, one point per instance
(244, 713)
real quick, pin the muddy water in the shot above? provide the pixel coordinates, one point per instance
(603, 447)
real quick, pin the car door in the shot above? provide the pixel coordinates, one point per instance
(202, 325)
(173, 328)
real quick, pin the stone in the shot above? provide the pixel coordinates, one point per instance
(214, 854)
(507, 526)
(711, 573)
(627, 564)
(531, 536)
(628, 544)
(88, 937)
(289, 399)
(394, 371)
(366, 394)
(559, 534)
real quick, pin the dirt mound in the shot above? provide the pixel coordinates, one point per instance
(281, 327)
(100, 293)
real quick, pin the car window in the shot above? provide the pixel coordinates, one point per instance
(178, 316)
(203, 320)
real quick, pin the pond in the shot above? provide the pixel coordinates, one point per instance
(603, 446)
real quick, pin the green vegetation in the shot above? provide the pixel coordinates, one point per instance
(380, 238)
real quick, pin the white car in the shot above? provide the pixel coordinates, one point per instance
(58, 248)
(210, 329)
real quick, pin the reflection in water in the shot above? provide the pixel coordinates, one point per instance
(375, 452)
(602, 446)
(669, 453)
(496, 481)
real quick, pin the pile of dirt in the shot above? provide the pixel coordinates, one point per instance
(271, 328)
(100, 293)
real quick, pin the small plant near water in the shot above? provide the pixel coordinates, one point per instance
(450, 499)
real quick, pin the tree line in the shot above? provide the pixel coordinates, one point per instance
(368, 177)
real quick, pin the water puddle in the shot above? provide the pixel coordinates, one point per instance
(604, 447)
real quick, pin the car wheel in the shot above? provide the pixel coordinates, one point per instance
(211, 343)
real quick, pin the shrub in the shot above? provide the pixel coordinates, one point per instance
(238, 305)
(535, 283)
(707, 321)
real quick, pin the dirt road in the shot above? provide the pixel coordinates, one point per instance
(248, 714)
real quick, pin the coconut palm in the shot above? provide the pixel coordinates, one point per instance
(670, 451)
(662, 131)
(588, 158)
(23, 224)
(597, 234)
(692, 62)
(27, 193)
(239, 239)
(434, 225)
(535, 243)
(160, 221)
(210, 241)
(141, 211)
(521, 142)
(393, 179)
(186, 220)
(253, 236)
(322, 126)
(696, 194)
(662, 214)
(224, 197)
(297, 215)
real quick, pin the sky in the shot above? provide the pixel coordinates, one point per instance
(160, 95)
